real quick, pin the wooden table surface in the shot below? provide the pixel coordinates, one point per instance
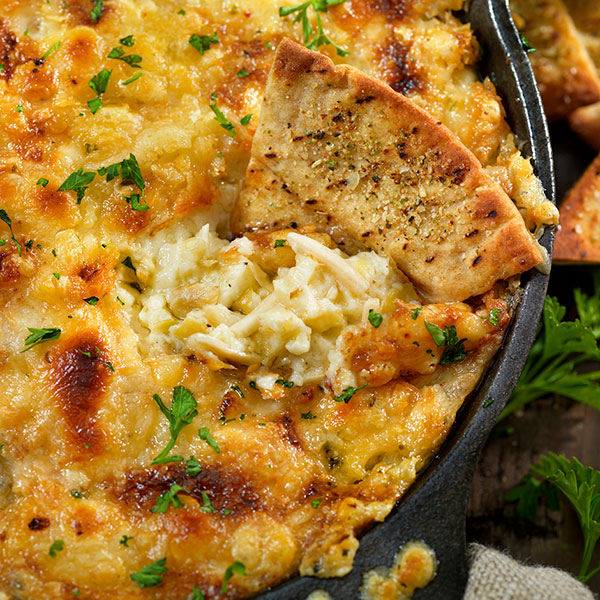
(552, 424)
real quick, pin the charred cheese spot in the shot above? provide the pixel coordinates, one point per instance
(79, 12)
(397, 68)
(93, 278)
(227, 487)
(79, 378)
(34, 83)
(9, 267)
(8, 51)
(52, 202)
(38, 523)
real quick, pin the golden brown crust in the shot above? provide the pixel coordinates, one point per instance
(585, 121)
(421, 196)
(578, 235)
(566, 75)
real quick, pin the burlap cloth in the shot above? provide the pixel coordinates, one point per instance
(496, 576)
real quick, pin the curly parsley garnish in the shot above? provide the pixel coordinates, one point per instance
(320, 38)
(182, 413)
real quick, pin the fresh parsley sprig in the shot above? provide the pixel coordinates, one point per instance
(581, 486)
(98, 83)
(151, 574)
(38, 336)
(560, 346)
(454, 349)
(227, 125)
(308, 31)
(202, 42)
(182, 413)
(78, 182)
(4, 217)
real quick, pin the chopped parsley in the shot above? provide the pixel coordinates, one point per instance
(204, 434)
(92, 300)
(19, 108)
(182, 413)
(242, 73)
(253, 385)
(125, 540)
(320, 38)
(208, 507)
(96, 12)
(78, 182)
(127, 41)
(285, 383)
(375, 318)
(348, 393)
(56, 276)
(526, 45)
(315, 503)
(202, 42)
(494, 317)
(39, 336)
(57, 546)
(132, 60)
(237, 567)
(414, 313)
(51, 50)
(308, 415)
(4, 217)
(98, 83)
(129, 264)
(134, 200)
(167, 498)
(132, 78)
(196, 593)
(42, 181)
(193, 467)
(151, 574)
(130, 172)
(220, 117)
(454, 349)
(488, 402)
(76, 494)
(246, 120)
(279, 243)
(181, 12)
(236, 388)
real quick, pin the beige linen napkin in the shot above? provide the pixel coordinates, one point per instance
(496, 576)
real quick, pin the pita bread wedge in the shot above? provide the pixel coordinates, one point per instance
(585, 121)
(342, 150)
(578, 236)
(564, 70)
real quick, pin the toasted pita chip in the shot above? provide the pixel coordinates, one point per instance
(586, 16)
(565, 73)
(342, 150)
(578, 235)
(585, 121)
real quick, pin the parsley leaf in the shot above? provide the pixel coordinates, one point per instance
(4, 217)
(375, 318)
(348, 393)
(307, 29)
(285, 383)
(193, 467)
(182, 413)
(581, 486)
(308, 415)
(127, 41)
(208, 507)
(130, 172)
(127, 262)
(220, 117)
(99, 82)
(560, 346)
(588, 307)
(236, 388)
(528, 494)
(242, 73)
(167, 498)
(134, 200)
(526, 45)
(197, 594)
(454, 348)
(78, 182)
(92, 300)
(279, 243)
(51, 50)
(237, 567)
(202, 42)
(96, 12)
(414, 313)
(315, 503)
(151, 574)
(38, 336)
(125, 539)
(42, 181)
(95, 104)
(204, 434)
(132, 78)
(57, 546)
(246, 120)
(131, 59)
(494, 317)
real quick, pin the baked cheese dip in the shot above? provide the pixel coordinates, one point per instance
(243, 289)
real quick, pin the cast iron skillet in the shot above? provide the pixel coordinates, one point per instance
(434, 508)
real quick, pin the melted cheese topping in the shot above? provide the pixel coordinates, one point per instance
(298, 474)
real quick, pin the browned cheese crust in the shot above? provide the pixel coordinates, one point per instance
(566, 75)
(342, 149)
(298, 474)
(578, 235)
